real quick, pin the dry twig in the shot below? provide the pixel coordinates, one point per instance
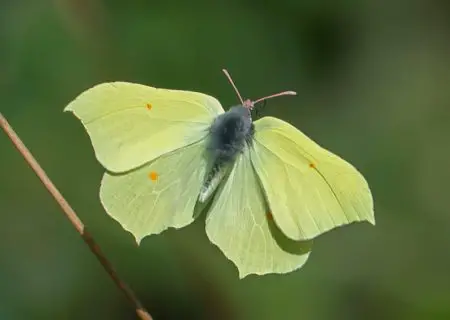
(73, 218)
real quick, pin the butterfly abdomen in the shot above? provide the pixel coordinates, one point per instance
(228, 136)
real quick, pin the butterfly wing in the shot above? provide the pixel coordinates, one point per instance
(157, 195)
(240, 224)
(130, 124)
(309, 189)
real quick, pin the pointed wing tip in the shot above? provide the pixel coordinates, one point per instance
(370, 217)
(370, 220)
(138, 240)
(68, 108)
(301, 236)
(245, 274)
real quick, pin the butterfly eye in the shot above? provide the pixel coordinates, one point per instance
(149, 106)
(312, 165)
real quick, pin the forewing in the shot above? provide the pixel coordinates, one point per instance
(158, 195)
(309, 189)
(131, 124)
(240, 224)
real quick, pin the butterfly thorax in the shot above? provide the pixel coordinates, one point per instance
(230, 132)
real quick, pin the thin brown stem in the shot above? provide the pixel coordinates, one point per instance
(227, 74)
(73, 218)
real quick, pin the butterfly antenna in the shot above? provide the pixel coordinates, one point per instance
(284, 93)
(234, 86)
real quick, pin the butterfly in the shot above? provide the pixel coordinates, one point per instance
(170, 155)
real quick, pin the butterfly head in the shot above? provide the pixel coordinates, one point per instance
(250, 104)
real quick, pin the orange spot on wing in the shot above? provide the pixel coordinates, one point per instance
(312, 165)
(153, 176)
(149, 106)
(269, 216)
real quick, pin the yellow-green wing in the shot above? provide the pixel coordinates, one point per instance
(130, 124)
(158, 195)
(240, 224)
(309, 189)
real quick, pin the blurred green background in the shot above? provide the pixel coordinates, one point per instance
(373, 79)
